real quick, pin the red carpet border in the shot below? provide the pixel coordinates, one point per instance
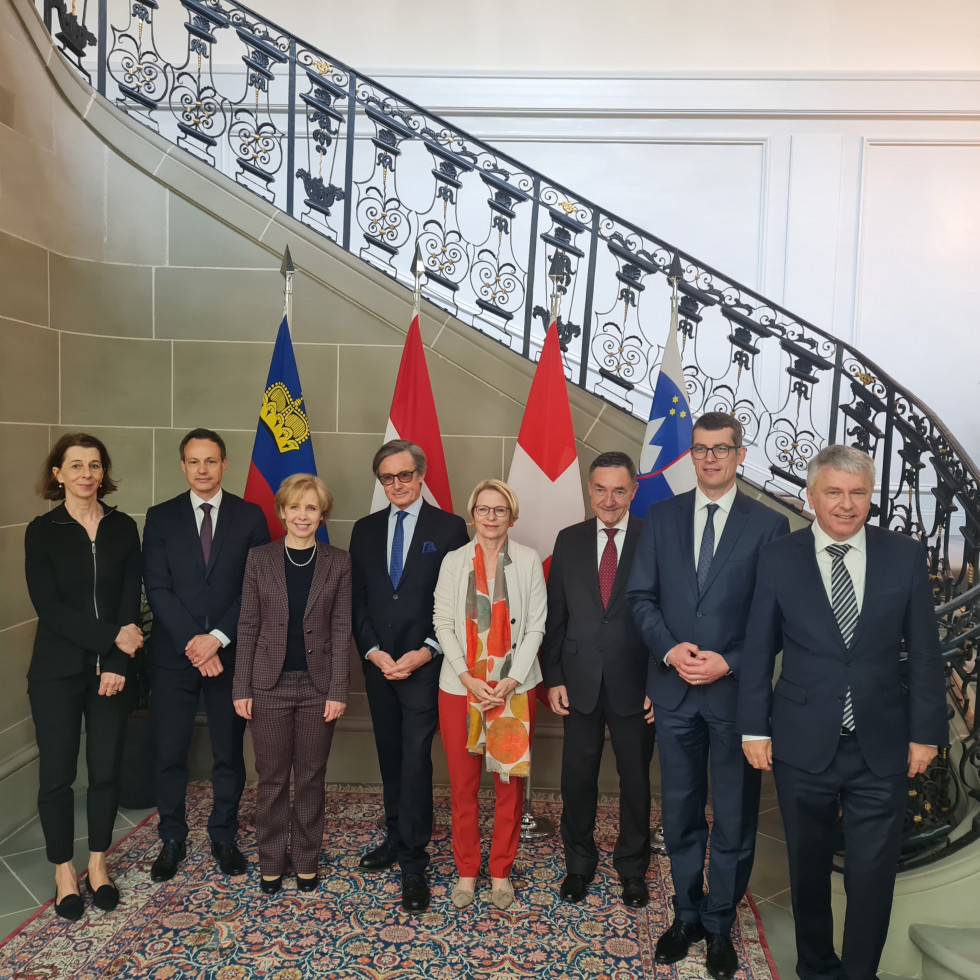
(205, 926)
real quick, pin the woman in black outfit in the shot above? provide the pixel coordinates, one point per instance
(83, 575)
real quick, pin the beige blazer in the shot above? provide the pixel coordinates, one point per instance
(528, 599)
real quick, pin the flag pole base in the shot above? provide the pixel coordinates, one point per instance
(657, 845)
(532, 827)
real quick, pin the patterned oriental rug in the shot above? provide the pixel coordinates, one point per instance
(204, 925)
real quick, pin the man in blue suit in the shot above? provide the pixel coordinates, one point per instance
(689, 590)
(852, 716)
(194, 551)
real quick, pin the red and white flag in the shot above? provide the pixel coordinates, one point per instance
(413, 417)
(544, 472)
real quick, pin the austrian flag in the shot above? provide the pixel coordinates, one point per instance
(544, 472)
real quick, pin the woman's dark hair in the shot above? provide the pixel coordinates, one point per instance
(49, 488)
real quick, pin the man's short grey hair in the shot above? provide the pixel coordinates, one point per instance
(847, 459)
(396, 446)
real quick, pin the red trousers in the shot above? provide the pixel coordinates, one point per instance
(464, 785)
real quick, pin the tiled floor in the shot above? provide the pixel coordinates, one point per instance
(27, 881)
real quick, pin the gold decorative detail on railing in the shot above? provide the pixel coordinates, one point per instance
(568, 207)
(322, 67)
(865, 378)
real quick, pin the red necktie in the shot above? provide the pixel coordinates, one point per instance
(607, 566)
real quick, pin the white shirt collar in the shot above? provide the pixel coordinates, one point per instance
(857, 541)
(620, 525)
(725, 502)
(215, 501)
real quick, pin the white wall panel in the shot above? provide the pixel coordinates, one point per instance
(919, 288)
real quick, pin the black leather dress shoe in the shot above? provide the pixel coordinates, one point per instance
(308, 884)
(673, 945)
(105, 897)
(70, 907)
(721, 959)
(168, 860)
(270, 886)
(575, 887)
(380, 858)
(229, 858)
(415, 893)
(635, 892)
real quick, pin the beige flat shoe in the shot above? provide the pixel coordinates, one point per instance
(503, 896)
(461, 897)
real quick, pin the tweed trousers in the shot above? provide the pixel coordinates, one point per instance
(289, 735)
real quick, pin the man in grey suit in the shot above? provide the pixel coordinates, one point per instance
(690, 590)
(595, 666)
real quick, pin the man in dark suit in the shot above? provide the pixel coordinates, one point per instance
(396, 554)
(690, 590)
(595, 666)
(194, 551)
(851, 717)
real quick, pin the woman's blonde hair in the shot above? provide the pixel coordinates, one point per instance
(294, 487)
(501, 488)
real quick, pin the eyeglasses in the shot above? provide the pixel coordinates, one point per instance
(483, 510)
(387, 479)
(719, 452)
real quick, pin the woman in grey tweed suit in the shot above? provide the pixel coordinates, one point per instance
(291, 676)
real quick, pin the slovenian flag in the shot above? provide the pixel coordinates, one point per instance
(544, 472)
(282, 438)
(665, 458)
(413, 417)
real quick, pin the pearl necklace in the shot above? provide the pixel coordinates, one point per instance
(300, 564)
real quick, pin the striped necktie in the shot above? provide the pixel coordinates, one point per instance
(844, 604)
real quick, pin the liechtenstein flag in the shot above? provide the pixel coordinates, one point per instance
(282, 438)
(665, 468)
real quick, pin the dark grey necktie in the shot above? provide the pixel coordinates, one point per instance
(707, 551)
(844, 603)
(206, 533)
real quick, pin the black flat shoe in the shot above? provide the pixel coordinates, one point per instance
(105, 897)
(70, 907)
(270, 885)
(309, 884)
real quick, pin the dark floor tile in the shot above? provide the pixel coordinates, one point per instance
(13, 920)
(771, 823)
(14, 896)
(777, 924)
(770, 873)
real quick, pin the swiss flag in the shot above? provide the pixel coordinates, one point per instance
(544, 472)
(413, 417)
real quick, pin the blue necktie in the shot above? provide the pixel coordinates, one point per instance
(707, 551)
(844, 603)
(397, 547)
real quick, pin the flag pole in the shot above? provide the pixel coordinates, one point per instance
(287, 270)
(418, 270)
(674, 274)
(534, 827)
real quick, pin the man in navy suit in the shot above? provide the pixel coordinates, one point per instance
(595, 666)
(690, 590)
(194, 551)
(396, 554)
(852, 716)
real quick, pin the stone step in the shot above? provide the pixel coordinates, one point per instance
(948, 952)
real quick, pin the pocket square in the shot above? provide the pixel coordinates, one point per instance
(429, 548)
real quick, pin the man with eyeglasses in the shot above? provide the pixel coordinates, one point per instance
(595, 666)
(396, 554)
(690, 591)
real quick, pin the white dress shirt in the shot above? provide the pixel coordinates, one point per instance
(701, 517)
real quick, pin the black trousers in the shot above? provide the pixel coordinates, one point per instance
(874, 810)
(174, 700)
(58, 706)
(632, 742)
(405, 715)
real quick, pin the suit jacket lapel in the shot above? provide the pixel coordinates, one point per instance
(811, 584)
(276, 571)
(418, 538)
(188, 523)
(630, 538)
(734, 525)
(685, 530)
(320, 571)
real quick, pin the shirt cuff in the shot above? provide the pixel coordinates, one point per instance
(433, 646)
(367, 656)
(222, 639)
(755, 738)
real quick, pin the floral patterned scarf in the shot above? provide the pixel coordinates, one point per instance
(502, 734)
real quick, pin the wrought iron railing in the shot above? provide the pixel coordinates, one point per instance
(377, 174)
